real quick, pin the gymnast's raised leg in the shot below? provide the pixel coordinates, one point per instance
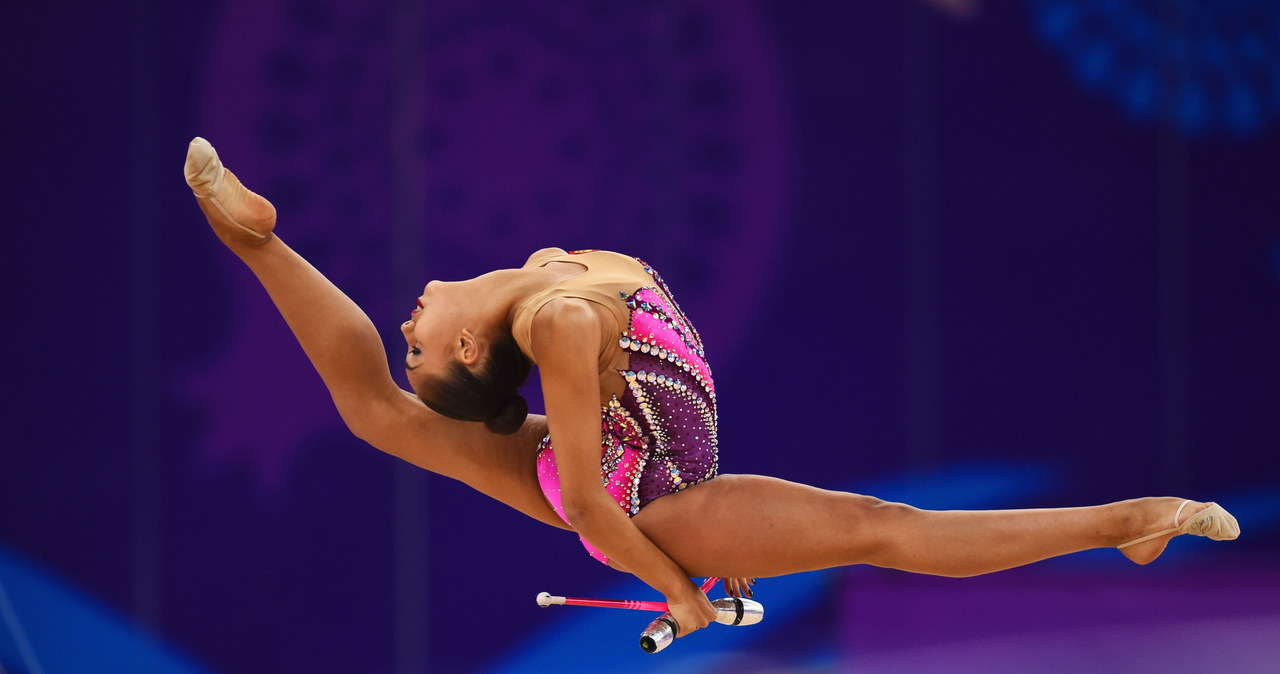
(347, 352)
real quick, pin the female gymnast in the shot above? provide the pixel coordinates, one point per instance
(626, 454)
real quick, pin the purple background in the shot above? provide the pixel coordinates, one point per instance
(912, 242)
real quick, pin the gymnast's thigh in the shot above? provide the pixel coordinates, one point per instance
(510, 472)
(503, 467)
(753, 526)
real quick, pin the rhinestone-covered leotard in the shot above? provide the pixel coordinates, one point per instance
(659, 437)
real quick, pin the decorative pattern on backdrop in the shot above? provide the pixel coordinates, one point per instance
(1199, 67)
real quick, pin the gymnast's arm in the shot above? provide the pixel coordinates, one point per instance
(565, 341)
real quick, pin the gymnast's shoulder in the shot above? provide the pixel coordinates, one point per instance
(542, 255)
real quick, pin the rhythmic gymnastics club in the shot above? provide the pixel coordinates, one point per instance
(729, 611)
(661, 632)
(546, 599)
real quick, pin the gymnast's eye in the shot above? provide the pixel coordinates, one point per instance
(415, 351)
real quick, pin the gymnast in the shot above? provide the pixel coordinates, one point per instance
(626, 453)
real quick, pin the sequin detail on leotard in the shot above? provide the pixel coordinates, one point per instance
(671, 392)
(659, 437)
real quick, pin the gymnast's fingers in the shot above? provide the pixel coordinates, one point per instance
(738, 587)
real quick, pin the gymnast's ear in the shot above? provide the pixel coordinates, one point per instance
(467, 348)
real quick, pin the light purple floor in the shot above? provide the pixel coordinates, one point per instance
(1198, 617)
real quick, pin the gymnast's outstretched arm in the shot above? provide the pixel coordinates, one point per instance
(345, 349)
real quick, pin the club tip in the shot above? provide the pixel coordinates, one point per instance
(544, 599)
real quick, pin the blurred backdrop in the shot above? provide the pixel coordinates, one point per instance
(963, 254)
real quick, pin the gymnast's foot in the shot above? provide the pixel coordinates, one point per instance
(236, 213)
(1187, 517)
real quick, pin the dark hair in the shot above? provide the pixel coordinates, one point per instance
(488, 393)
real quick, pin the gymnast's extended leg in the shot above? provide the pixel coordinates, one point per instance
(747, 525)
(348, 354)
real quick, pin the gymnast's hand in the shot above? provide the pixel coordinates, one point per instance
(691, 610)
(739, 587)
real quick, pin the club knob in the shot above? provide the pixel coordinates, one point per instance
(659, 634)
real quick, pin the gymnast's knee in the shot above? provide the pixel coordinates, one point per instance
(876, 526)
(872, 511)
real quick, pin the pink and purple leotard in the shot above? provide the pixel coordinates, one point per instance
(659, 436)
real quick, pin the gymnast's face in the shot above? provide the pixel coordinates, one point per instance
(436, 335)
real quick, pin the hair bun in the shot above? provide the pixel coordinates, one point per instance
(511, 417)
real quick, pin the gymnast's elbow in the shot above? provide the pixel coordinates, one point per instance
(581, 511)
(579, 518)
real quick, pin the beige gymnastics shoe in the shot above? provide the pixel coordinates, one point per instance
(1213, 521)
(231, 208)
